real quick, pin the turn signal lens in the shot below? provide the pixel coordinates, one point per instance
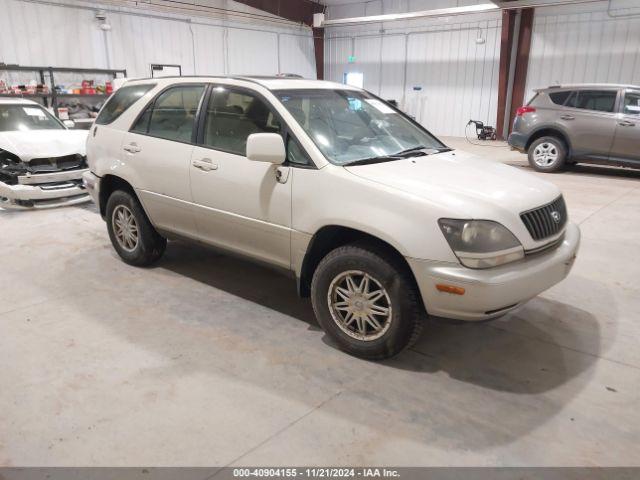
(522, 110)
(450, 289)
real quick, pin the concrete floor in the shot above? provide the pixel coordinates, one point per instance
(209, 360)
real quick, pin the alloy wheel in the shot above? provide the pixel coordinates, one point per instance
(125, 228)
(545, 154)
(359, 305)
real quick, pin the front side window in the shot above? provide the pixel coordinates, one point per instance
(173, 114)
(632, 103)
(121, 101)
(295, 153)
(596, 100)
(232, 116)
(25, 117)
(349, 126)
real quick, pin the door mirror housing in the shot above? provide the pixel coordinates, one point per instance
(266, 147)
(69, 123)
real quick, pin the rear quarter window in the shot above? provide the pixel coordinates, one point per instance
(121, 101)
(559, 98)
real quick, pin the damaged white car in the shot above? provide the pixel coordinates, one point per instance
(41, 160)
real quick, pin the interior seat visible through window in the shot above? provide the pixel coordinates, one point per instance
(233, 116)
(172, 115)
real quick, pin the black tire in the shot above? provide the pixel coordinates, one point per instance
(407, 312)
(555, 146)
(149, 246)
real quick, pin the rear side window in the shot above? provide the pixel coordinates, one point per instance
(559, 97)
(174, 113)
(632, 103)
(121, 101)
(596, 100)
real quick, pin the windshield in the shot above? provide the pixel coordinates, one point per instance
(25, 117)
(350, 126)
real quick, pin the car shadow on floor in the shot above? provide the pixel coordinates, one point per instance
(239, 277)
(536, 349)
(532, 351)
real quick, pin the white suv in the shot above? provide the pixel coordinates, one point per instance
(378, 220)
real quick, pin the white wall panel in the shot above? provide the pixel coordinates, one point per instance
(367, 52)
(458, 77)
(137, 42)
(33, 34)
(210, 50)
(252, 52)
(585, 44)
(64, 33)
(297, 55)
(336, 54)
(393, 71)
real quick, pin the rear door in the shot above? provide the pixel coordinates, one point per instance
(159, 148)
(626, 145)
(589, 117)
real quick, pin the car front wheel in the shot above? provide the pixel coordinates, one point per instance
(132, 235)
(547, 154)
(365, 300)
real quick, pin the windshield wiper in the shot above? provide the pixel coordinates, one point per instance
(398, 156)
(411, 150)
(422, 147)
(368, 161)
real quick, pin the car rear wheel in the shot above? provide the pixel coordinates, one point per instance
(132, 235)
(366, 302)
(547, 154)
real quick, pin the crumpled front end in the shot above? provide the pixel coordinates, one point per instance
(41, 182)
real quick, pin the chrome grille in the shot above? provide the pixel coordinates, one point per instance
(546, 221)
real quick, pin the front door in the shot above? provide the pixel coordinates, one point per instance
(626, 145)
(241, 205)
(159, 149)
(590, 118)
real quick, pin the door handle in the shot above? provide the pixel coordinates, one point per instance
(132, 148)
(568, 117)
(205, 164)
(626, 123)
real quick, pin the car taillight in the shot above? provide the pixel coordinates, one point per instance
(522, 110)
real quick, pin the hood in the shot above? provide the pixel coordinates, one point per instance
(465, 185)
(44, 143)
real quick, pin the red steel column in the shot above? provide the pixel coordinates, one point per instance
(506, 42)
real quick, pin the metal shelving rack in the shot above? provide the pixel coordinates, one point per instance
(51, 99)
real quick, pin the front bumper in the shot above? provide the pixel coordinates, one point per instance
(493, 292)
(92, 183)
(45, 190)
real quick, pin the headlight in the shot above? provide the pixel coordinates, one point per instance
(481, 243)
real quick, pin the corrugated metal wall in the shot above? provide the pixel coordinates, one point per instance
(584, 44)
(457, 76)
(67, 35)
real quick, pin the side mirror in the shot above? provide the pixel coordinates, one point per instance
(266, 147)
(69, 123)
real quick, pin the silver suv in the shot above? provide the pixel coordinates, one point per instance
(378, 221)
(580, 123)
